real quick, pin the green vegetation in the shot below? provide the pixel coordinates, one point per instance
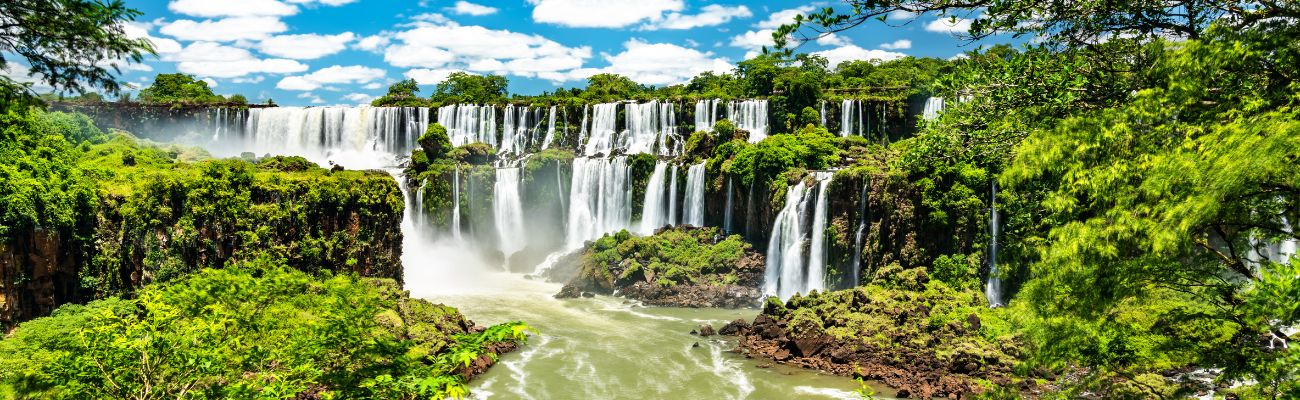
(182, 89)
(671, 257)
(256, 330)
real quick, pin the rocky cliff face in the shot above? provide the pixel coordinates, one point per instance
(173, 223)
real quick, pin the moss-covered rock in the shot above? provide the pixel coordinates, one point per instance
(677, 266)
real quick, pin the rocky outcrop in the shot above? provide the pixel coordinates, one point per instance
(924, 343)
(678, 267)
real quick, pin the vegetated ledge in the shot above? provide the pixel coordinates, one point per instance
(252, 330)
(917, 335)
(677, 266)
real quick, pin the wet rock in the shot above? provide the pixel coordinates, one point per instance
(736, 327)
(903, 394)
(694, 332)
(974, 321)
(706, 330)
(696, 345)
(588, 295)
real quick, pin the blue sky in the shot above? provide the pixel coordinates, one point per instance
(324, 52)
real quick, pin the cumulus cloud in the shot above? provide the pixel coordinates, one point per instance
(851, 52)
(782, 17)
(373, 86)
(753, 41)
(949, 26)
(323, 2)
(710, 15)
(374, 43)
(900, 44)
(475, 48)
(137, 30)
(601, 13)
(215, 60)
(305, 47)
(232, 8)
(21, 73)
(467, 8)
(211, 82)
(831, 39)
(312, 98)
(331, 75)
(655, 63)
(359, 98)
(900, 15)
(224, 30)
(428, 76)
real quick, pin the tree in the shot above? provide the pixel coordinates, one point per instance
(611, 87)
(435, 142)
(71, 45)
(404, 88)
(178, 89)
(462, 87)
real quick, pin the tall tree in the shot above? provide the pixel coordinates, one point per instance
(71, 45)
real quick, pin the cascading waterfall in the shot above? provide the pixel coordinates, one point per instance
(227, 122)
(726, 212)
(751, 116)
(518, 131)
(455, 205)
(787, 273)
(604, 127)
(673, 212)
(861, 234)
(822, 114)
(600, 199)
(469, 123)
(706, 114)
(550, 129)
(653, 212)
(993, 286)
(359, 136)
(933, 106)
(508, 211)
(817, 251)
(694, 195)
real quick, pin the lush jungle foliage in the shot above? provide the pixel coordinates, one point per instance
(255, 330)
(182, 89)
(670, 257)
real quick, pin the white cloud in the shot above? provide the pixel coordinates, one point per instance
(467, 8)
(373, 86)
(224, 30)
(20, 73)
(601, 13)
(323, 2)
(359, 98)
(959, 56)
(900, 15)
(656, 63)
(782, 17)
(374, 43)
(479, 49)
(851, 52)
(211, 82)
(710, 15)
(254, 79)
(207, 59)
(232, 8)
(312, 97)
(305, 47)
(331, 75)
(900, 44)
(753, 39)
(136, 30)
(947, 25)
(426, 76)
(831, 39)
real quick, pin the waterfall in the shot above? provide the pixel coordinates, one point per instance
(642, 127)
(604, 125)
(706, 114)
(550, 129)
(672, 197)
(785, 274)
(582, 127)
(653, 213)
(993, 287)
(455, 205)
(817, 252)
(933, 106)
(468, 123)
(668, 130)
(517, 131)
(361, 137)
(822, 114)
(846, 117)
(694, 195)
(600, 199)
(508, 211)
(726, 212)
(861, 234)
(751, 116)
